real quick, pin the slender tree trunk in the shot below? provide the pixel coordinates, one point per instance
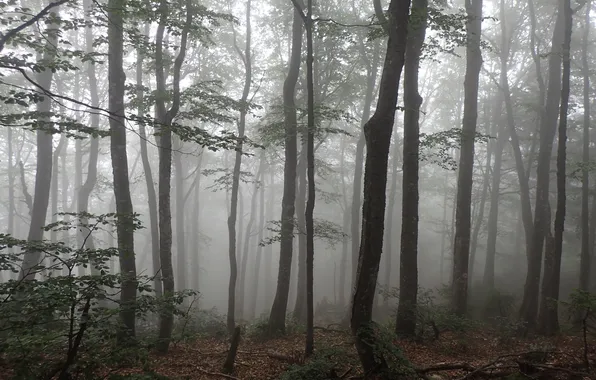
(125, 225)
(389, 216)
(549, 311)
(84, 192)
(62, 144)
(584, 277)
(378, 137)
(548, 128)
(246, 57)
(466, 162)
(260, 228)
(151, 195)
(408, 269)
(43, 174)
(277, 318)
(181, 259)
(164, 118)
(300, 306)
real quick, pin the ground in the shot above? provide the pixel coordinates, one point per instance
(203, 358)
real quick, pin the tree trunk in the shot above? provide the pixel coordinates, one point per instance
(371, 80)
(408, 269)
(277, 318)
(246, 57)
(549, 311)
(181, 259)
(84, 192)
(389, 216)
(378, 137)
(310, 203)
(300, 306)
(261, 226)
(584, 276)
(164, 118)
(43, 174)
(125, 225)
(548, 128)
(151, 195)
(466, 159)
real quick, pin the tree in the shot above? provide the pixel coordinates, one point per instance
(529, 307)
(43, 174)
(277, 317)
(164, 118)
(548, 322)
(378, 136)
(463, 215)
(124, 209)
(236, 176)
(408, 273)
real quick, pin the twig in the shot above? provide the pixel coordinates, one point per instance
(346, 373)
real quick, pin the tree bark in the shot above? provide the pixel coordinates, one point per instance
(165, 118)
(584, 272)
(378, 136)
(181, 259)
(277, 317)
(151, 195)
(466, 161)
(389, 216)
(246, 57)
(300, 306)
(549, 311)
(124, 209)
(548, 128)
(261, 226)
(408, 269)
(43, 174)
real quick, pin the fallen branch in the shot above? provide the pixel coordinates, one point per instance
(217, 374)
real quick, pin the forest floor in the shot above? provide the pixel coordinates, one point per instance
(479, 353)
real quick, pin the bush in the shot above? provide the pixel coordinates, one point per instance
(323, 365)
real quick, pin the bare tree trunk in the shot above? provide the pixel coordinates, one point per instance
(389, 216)
(408, 274)
(466, 162)
(62, 144)
(277, 318)
(181, 259)
(549, 311)
(378, 137)
(300, 306)
(246, 58)
(584, 277)
(125, 225)
(260, 228)
(548, 128)
(151, 195)
(371, 80)
(43, 174)
(84, 192)
(164, 118)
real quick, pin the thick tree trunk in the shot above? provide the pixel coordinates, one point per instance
(378, 137)
(549, 311)
(408, 269)
(466, 161)
(548, 128)
(371, 80)
(277, 317)
(151, 195)
(125, 225)
(43, 174)
(584, 276)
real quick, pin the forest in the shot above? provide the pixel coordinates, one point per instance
(297, 189)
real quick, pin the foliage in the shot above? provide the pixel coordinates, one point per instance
(200, 323)
(258, 329)
(331, 233)
(437, 147)
(67, 322)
